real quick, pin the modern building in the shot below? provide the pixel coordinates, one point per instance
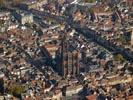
(67, 59)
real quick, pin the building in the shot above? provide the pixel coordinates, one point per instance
(50, 37)
(72, 90)
(118, 80)
(4, 20)
(4, 15)
(91, 97)
(128, 2)
(79, 16)
(33, 4)
(28, 18)
(67, 59)
(51, 49)
(23, 18)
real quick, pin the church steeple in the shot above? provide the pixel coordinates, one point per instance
(69, 58)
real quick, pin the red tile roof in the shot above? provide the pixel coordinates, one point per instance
(91, 97)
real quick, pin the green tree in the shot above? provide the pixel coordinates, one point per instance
(2, 2)
(16, 89)
(90, 1)
(119, 57)
(2, 22)
(124, 38)
(91, 10)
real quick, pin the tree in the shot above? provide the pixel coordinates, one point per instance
(119, 57)
(16, 90)
(90, 1)
(34, 27)
(2, 2)
(2, 22)
(40, 32)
